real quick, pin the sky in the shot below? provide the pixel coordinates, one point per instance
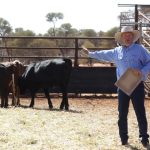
(100, 15)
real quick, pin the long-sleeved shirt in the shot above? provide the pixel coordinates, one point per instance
(135, 56)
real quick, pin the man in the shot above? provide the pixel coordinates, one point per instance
(135, 56)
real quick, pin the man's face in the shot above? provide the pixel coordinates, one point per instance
(127, 38)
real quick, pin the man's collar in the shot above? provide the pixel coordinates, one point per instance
(126, 47)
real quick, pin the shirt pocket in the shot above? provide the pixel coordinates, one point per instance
(122, 59)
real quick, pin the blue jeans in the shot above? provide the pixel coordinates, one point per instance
(137, 98)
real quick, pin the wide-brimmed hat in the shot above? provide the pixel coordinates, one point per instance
(136, 34)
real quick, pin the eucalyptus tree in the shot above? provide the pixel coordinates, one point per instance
(110, 33)
(66, 30)
(50, 32)
(5, 29)
(89, 33)
(21, 43)
(53, 18)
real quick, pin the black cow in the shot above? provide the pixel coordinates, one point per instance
(9, 73)
(4, 89)
(45, 75)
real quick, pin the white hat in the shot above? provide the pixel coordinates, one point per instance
(136, 34)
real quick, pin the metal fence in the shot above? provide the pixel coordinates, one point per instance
(76, 46)
(85, 78)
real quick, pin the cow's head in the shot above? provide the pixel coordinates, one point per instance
(19, 68)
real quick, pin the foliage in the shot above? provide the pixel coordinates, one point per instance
(22, 32)
(5, 27)
(54, 17)
(65, 30)
(43, 43)
(88, 33)
(112, 31)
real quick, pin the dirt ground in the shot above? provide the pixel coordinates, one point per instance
(90, 124)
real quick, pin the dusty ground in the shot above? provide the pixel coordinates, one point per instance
(90, 124)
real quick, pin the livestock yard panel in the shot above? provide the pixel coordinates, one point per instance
(93, 80)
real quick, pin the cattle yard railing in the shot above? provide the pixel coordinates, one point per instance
(76, 46)
(84, 78)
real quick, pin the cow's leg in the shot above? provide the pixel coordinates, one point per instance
(13, 90)
(46, 91)
(18, 101)
(18, 96)
(13, 100)
(2, 100)
(6, 102)
(6, 99)
(64, 102)
(32, 98)
(4, 95)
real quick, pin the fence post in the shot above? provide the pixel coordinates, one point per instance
(76, 53)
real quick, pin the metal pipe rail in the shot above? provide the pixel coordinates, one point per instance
(76, 45)
(140, 13)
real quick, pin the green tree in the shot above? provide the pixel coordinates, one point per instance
(20, 42)
(54, 17)
(111, 32)
(5, 27)
(101, 34)
(50, 32)
(43, 52)
(88, 33)
(22, 32)
(65, 30)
